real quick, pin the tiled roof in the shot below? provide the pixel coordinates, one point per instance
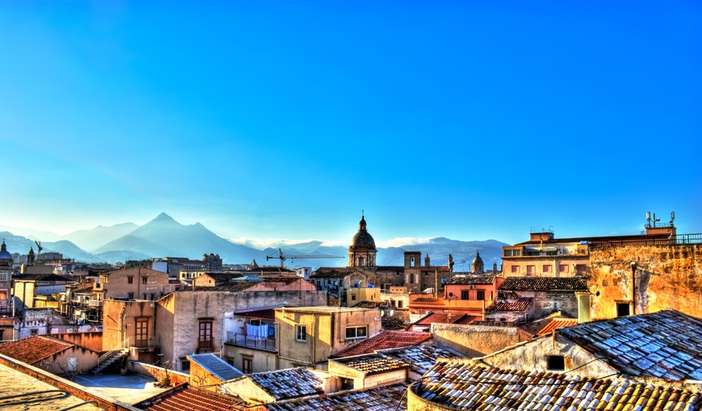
(421, 357)
(288, 383)
(388, 397)
(544, 284)
(666, 344)
(372, 363)
(383, 340)
(473, 279)
(556, 324)
(31, 393)
(520, 304)
(216, 366)
(192, 399)
(42, 277)
(34, 349)
(467, 385)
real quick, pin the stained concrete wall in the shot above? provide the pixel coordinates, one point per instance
(667, 277)
(476, 340)
(532, 356)
(90, 340)
(260, 360)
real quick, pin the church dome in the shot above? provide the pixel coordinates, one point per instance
(4, 254)
(362, 240)
(477, 266)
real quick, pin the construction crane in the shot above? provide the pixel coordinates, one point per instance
(283, 258)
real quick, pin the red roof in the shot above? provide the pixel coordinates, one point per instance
(34, 349)
(386, 339)
(446, 318)
(555, 324)
(520, 304)
(192, 399)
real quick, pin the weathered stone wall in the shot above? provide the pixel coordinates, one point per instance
(532, 356)
(475, 340)
(667, 277)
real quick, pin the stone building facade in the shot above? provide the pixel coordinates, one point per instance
(664, 275)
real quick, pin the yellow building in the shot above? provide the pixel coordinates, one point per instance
(39, 290)
(307, 336)
(362, 294)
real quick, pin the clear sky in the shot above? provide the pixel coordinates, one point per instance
(471, 120)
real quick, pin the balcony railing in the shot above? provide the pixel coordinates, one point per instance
(257, 343)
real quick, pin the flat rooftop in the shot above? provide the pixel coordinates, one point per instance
(130, 388)
(323, 309)
(27, 392)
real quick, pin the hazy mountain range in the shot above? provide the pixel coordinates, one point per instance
(164, 236)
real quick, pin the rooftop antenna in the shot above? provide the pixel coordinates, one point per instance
(672, 218)
(648, 219)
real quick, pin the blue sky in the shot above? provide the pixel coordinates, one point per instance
(470, 120)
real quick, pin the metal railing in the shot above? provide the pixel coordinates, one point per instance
(258, 343)
(674, 240)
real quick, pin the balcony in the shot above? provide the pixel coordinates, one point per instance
(247, 341)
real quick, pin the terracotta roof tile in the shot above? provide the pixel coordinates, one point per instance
(666, 344)
(388, 397)
(288, 383)
(372, 363)
(192, 399)
(34, 349)
(421, 357)
(520, 304)
(544, 284)
(383, 340)
(468, 385)
(473, 279)
(556, 324)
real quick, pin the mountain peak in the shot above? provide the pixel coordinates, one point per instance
(163, 218)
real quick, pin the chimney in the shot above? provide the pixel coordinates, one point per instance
(583, 306)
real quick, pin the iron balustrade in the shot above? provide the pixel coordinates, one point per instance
(243, 340)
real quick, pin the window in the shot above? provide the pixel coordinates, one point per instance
(623, 309)
(353, 298)
(204, 339)
(246, 364)
(130, 295)
(413, 262)
(144, 280)
(142, 332)
(184, 364)
(563, 268)
(130, 279)
(547, 268)
(555, 363)
(301, 333)
(33, 331)
(356, 333)
(464, 295)
(581, 268)
(515, 269)
(399, 303)
(481, 295)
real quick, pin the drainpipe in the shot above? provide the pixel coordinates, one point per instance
(633, 287)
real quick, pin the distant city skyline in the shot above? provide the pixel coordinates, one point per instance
(282, 121)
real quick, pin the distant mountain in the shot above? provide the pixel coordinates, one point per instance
(438, 250)
(95, 238)
(163, 236)
(21, 245)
